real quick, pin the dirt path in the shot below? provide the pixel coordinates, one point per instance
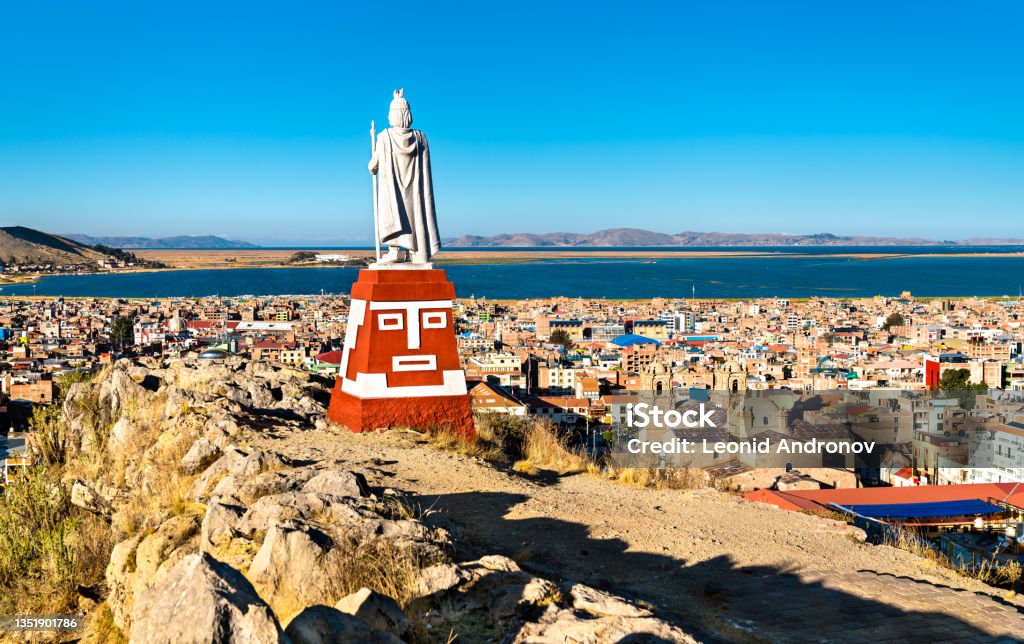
(715, 563)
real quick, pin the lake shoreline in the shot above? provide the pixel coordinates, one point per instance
(264, 258)
(614, 276)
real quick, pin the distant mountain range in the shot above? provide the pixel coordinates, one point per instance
(197, 242)
(639, 237)
(21, 245)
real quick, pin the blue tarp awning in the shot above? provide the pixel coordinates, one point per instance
(966, 507)
(630, 339)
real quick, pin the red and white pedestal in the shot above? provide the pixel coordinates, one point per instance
(400, 363)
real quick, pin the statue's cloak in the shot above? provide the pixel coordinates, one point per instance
(405, 198)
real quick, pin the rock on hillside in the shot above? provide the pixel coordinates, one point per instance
(220, 541)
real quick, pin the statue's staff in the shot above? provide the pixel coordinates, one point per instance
(376, 223)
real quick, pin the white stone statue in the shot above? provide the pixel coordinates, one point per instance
(403, 190)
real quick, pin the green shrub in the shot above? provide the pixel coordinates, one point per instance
(36, 560)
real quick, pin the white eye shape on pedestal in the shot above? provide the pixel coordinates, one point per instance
(435, 320)
(390, 321)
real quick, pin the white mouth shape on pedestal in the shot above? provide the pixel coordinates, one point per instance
(414, 363)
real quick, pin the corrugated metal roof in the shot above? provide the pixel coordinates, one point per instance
(961, 508)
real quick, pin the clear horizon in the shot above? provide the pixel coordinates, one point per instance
(252, 124)
(368, 243)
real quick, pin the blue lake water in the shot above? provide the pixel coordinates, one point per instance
(718, 277)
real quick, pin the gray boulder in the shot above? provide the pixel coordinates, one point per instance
(326, 625)
(563, 625)
(238, 464)
(203, 600)
(219, 524)
(199, 456)
(253, 487)
(379, 611)
(121, 435)
(441, 578)
(276, 508)
(87, 498)
(123, 390)
(597, 602)
(119, 573)
(338, 483)
(292, 563)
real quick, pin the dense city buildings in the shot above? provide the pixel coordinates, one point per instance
(573, 361)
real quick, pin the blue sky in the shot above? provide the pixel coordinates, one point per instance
(250, 120)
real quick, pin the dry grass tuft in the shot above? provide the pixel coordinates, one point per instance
(908, 539)
(48, 442)
(382, 565)
(1001, 573)
(100, 629)
(1006, 573)
(676, 478)
(546, 448)
(163, 490)
(528, 445)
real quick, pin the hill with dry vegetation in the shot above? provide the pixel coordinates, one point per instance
(187, 501)
(21, 245)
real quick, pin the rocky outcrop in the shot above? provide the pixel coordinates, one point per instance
(220, 540)
(203, 600)
(292, 564)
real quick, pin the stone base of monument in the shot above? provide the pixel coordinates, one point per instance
(400, 361)
(426, 413)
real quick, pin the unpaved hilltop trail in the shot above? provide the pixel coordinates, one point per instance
(722, 567)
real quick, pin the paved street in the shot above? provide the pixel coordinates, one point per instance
(866, 606)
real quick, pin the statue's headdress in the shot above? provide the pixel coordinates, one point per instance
(399, 114)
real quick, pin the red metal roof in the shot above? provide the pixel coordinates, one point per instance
(330, 357)
(784, 500)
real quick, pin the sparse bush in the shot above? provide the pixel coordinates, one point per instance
(527, 444)
(1006, 573)
(65, 380)
(162, 490)
(506, 433)
(95, 418)
(47, 546)
(48, 441)
(546, 448)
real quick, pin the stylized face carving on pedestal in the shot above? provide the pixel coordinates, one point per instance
(401, 349)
